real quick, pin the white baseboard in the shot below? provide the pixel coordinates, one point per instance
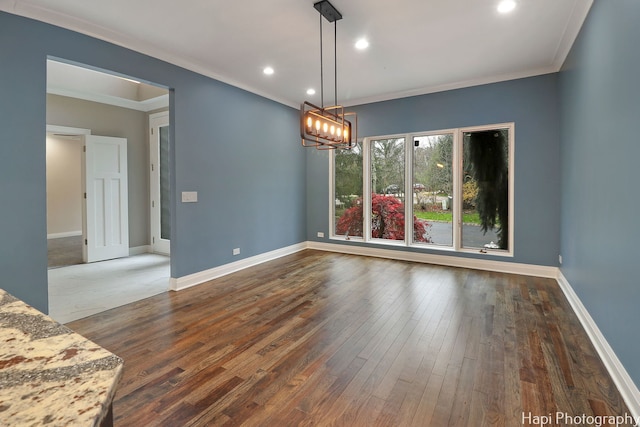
(139, 250)
(184, 282)
(65, 234)
(450, 261)
(619, 374)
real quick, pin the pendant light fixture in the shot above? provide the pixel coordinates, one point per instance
(327, 127)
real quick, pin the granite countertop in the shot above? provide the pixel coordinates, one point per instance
(50, 375)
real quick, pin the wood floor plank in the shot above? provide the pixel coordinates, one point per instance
(427, 405)
(461, 409)
(319, 338)
(512, 409)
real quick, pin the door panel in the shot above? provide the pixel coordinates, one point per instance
(105, 222)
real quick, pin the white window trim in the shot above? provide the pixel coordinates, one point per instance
(366, 189)
(457, 192)
(458, 196)
(332, 199)
(456, 182)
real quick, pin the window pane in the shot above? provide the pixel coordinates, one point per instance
(348, 192)
(433, 189)
(387, 187)
(485, 189)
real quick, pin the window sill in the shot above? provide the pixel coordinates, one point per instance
(426, 247)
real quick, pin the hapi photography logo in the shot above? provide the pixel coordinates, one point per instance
(566, 419)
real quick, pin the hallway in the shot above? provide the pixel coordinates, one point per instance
(81, 290)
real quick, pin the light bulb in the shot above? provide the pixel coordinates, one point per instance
(309, 122)
(325, 128)
(346, 134)
(506, 6)
(362, 44)
(332, 130)
(317, 125)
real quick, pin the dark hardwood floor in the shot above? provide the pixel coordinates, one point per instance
(320, 338)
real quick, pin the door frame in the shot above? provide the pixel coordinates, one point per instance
(157, 243)
(68, 130)
(81, 132)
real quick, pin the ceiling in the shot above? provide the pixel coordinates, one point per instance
(416, 46)
(91, 85)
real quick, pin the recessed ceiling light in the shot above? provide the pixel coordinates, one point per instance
(506, 6)
(268, 71)
(362, 44)
(311, 91)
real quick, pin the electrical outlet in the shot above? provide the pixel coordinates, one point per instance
(236, 251)
(320, 234)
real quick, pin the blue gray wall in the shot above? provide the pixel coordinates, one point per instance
(531, 103)
(238, 150)
(259, 194)
(600, 93)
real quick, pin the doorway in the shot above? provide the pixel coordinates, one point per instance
(80, 103)
(64, 195)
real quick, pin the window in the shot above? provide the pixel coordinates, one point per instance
(456, 186)
(386, 206)
(433, 187)
(485, 189)
(347, 192)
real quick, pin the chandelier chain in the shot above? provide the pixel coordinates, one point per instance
(335, 62)
(321, 67)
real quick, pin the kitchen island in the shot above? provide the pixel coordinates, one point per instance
(50, 375)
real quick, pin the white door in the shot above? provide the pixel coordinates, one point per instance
(159, 183)
(105, 225)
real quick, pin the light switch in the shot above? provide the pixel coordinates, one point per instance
(189, 196)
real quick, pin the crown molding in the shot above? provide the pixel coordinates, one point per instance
(453, 86)
(579, 14)
(117, 38)
(145, 106)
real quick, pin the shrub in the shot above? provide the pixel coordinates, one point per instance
(469, 194)
(351, 221)
(387, 220)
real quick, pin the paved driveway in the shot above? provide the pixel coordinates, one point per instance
(472, 235)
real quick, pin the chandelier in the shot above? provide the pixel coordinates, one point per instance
(327, 127)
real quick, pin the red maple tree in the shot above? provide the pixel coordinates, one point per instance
(387, 220)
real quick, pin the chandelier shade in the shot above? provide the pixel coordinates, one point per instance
(323, 127)
(326, 128)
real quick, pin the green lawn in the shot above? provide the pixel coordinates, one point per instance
(443, 216)
(467, 218)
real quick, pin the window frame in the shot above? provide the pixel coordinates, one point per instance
(367, 200)
(410, 172)
(457, 166)
(332, 197)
